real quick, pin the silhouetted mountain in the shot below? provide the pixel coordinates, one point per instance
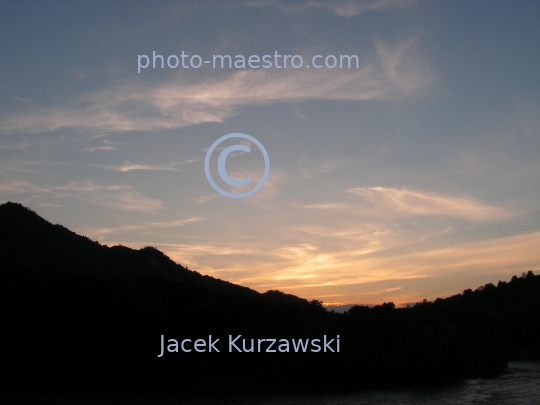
(31, 241)
(84, 317)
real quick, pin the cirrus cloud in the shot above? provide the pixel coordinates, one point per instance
(178, 102)
(408, 202)
(343, 8)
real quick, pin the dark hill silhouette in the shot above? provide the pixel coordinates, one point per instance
(30, 240)
(88, 318)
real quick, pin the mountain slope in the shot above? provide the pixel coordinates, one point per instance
(29, 240)
(80, 316)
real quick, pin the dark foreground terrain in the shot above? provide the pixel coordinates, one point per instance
(85, 318)
(519, 385)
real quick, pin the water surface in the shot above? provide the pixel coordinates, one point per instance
(519, 386)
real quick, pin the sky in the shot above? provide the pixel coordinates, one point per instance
(414, 175)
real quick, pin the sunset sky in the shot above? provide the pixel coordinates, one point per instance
(415, 175)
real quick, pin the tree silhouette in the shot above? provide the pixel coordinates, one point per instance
(88, 318)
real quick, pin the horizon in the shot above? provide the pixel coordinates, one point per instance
(339, 308)
(414, 176)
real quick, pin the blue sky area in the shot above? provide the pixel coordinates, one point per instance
(414, 175)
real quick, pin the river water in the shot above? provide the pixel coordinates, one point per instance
(519, 386)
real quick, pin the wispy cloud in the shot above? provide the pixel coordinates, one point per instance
(401, 66)
(178, 103)
(330, 252)
(170, 167)
(15, 186)
(103, 147)
(204, 198)
(350, 8)
(310, 169)
(330, 273)
(116, 196)
(46, 204)
(100, 233)
(16, 146)
(408, 202)
(14, 96)
(106, 144)
(343, 8)
(328, 206)
(130, 167)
